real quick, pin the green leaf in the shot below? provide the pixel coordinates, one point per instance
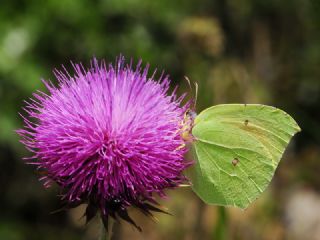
(238, 149)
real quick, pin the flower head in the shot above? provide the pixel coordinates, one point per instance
(108, 136)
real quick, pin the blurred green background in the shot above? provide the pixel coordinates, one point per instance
(250, 51)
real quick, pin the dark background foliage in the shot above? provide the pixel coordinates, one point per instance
(251, 51)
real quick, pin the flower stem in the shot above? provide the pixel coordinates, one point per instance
(221, 228)
(102, 235)
(106, 235)
(110, 228)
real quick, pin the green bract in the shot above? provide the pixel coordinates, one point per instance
(238, 149)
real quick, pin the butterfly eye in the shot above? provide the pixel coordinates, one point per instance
(187, 127)
(192, 115)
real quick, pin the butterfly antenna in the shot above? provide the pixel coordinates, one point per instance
(196, 87)
(188, 81)
(196, 94)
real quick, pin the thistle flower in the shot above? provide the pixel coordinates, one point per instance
(108, 136)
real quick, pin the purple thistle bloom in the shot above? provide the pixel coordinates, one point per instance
(108, 136)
